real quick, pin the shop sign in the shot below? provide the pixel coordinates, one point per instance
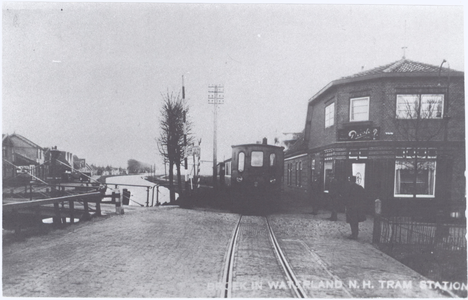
(359, 133)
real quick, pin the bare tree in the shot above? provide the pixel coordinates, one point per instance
(171, 143)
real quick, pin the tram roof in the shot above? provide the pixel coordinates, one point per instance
(257, 145)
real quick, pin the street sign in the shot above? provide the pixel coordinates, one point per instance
(192, 150)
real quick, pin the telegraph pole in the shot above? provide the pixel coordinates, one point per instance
(215, 96)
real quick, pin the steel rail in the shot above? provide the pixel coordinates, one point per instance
(298, 290)
(229, 264)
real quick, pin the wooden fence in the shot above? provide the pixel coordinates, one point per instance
(59, 208)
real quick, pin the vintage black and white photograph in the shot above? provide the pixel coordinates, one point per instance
(244, 150)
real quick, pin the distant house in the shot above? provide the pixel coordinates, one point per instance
(21, 157)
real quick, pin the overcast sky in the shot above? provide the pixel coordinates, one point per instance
(88, 77)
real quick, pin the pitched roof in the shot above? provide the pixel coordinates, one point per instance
(402, 66)
(299, 147)
(26, 140)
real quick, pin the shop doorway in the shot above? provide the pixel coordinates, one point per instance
(359, 170)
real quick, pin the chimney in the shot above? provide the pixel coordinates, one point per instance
(264, 141)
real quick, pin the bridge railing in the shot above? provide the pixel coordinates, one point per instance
(51, 207)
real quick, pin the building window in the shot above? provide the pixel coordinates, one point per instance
(257, 159)
(300, 174)
(330, 115)
(405, 176)
(415, 106)
(241, 162)
(295, 173)
(359, 109)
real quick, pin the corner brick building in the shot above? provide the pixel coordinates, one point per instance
(380, 125)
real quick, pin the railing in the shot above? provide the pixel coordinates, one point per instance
(148, 187)
(42, 207)
(397, 230)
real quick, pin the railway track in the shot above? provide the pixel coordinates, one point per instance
(253, 241)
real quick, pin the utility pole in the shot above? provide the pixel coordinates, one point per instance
(215, 96)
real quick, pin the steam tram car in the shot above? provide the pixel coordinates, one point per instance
(256, 177)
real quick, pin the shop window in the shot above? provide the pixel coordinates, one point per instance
(359, 109)
(330, 115)
(406, 173)
(257, 159)
(420, 106)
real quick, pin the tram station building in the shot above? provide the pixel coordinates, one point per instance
(399, 128)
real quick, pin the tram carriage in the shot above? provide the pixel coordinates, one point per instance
(256, 177)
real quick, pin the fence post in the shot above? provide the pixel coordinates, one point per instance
(147, 196)
(56, 218)
(377, 222)
(118, 204)
(71, 204)
(98, 206)
(157, 196)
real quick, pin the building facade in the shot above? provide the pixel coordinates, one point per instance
(399, 128)
(21, 157)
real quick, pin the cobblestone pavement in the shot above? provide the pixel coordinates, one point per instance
(172, 252)
(152, 252)
(331, 265)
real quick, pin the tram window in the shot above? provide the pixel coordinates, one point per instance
(272, 159)
(240, 162)
(257, 159)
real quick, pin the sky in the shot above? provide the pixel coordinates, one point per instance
(90, 78)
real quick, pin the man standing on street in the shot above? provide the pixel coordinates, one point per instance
(354, 206)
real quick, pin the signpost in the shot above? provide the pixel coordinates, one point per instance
(215, 97)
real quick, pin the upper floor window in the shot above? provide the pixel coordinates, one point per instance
(330, 115)
(359, 109)
(420, 106)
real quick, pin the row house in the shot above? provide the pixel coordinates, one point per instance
(21, 156)
(399, 128)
